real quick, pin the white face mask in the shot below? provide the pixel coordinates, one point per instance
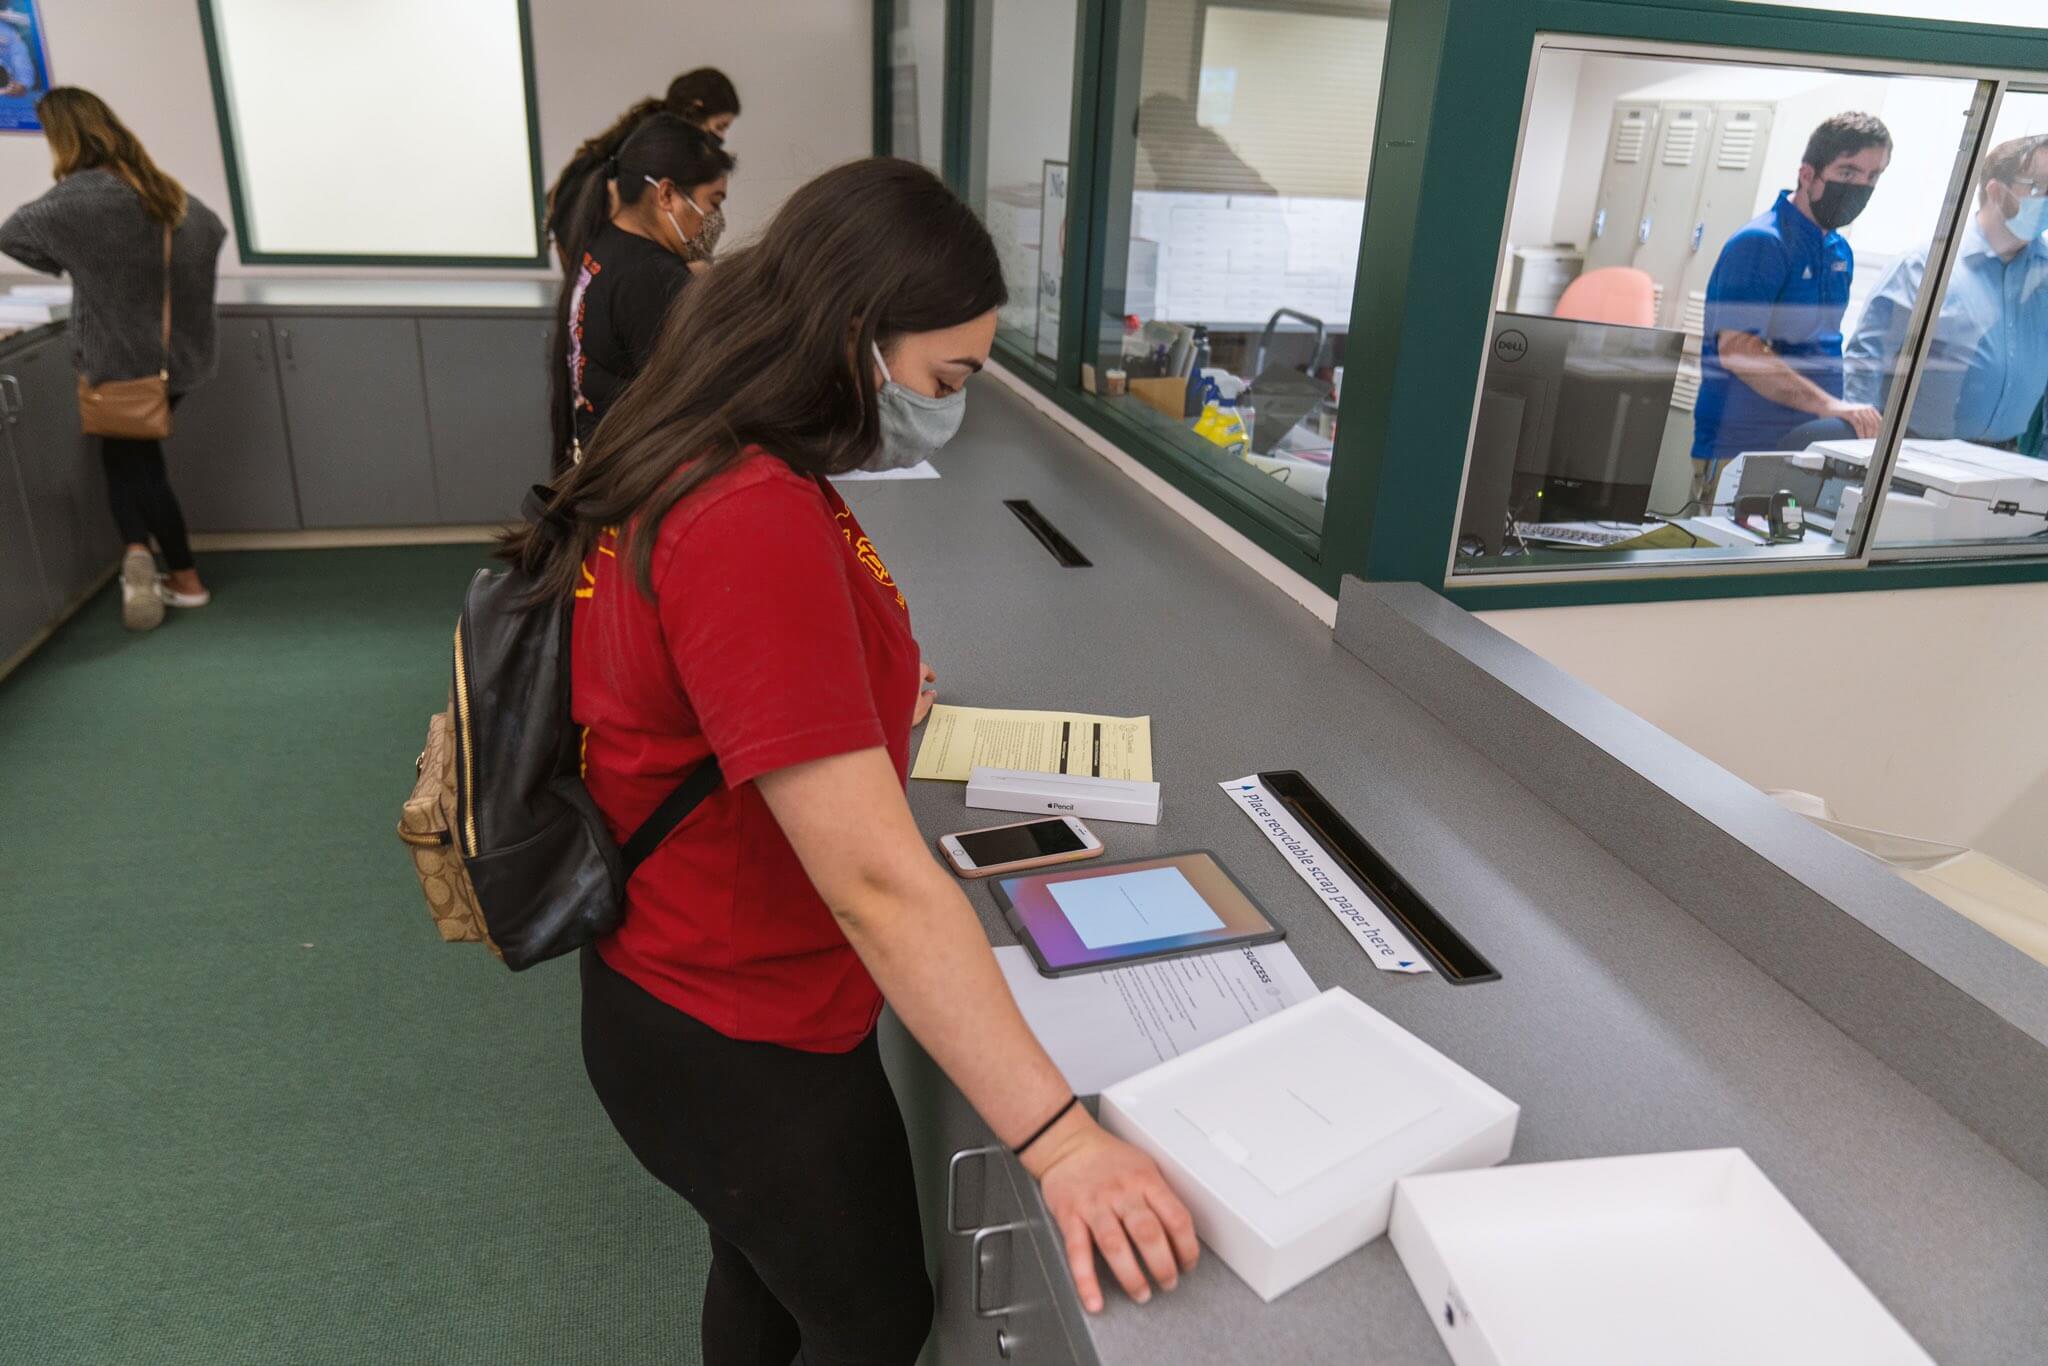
(683, 242)
(914, 425)
(2031, 218)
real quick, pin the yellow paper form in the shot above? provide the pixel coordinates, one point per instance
(957, 739)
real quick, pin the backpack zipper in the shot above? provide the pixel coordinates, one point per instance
(466, 788)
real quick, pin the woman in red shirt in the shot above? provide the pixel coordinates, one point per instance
(729, 604)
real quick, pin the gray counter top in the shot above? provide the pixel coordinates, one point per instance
(474, 298)
(1622, 1024)
(242, 294)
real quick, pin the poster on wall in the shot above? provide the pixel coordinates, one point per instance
(1052, 256)
(24, 66)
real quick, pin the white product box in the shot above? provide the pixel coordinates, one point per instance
(1065, 794)
(1286, 1138)
(1683, 1259)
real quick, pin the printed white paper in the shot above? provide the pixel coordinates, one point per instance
(1382, 941)
(1104, 1027)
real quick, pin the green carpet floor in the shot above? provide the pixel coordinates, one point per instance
(253, 1110)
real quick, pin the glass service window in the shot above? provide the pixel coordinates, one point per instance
(304, 97)
(1235, 221)
(917, 82)
(1972, 468)
(1665, 377)
(1018, 175)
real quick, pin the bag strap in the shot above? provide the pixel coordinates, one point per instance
(701, 782)
(166, 372)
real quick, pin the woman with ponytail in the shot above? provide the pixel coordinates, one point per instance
(103, 224)
(704, 97)
(668, 182)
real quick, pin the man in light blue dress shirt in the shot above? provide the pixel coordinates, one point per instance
(1988, 367)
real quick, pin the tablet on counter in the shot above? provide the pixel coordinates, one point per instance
(1086, 917)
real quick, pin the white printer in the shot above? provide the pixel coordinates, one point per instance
(1945, 491)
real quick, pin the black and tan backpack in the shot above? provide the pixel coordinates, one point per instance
(508, 844)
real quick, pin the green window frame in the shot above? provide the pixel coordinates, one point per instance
(1450, 114)
(224, 116)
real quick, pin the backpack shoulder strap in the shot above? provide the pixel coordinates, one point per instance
(701, 782)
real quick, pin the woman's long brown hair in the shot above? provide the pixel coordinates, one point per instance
(84, 136)
(771, 348)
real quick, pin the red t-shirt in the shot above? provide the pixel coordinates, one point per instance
(775, 636)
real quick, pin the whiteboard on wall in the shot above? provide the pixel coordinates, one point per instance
(378, 128)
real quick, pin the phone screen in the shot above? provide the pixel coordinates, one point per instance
(1013, 843)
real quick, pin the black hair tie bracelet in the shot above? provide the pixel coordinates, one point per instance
(1046, 1127)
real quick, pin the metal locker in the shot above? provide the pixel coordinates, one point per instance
(1624, 180)
(1728, 196)
(1664, 233)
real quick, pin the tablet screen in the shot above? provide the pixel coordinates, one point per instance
(1099, 915)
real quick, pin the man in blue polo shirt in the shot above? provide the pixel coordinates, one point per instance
(1988, 366)
(1771, 356)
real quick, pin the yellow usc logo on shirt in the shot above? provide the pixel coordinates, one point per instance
(864, 551)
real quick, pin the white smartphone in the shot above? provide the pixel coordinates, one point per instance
(1012, 848)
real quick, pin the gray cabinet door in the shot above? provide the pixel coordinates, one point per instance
(24, 604)
(229, 457)
(357, 413)
(60, 471)
(487, 389)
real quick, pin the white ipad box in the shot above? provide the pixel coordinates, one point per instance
(1285, 1138)
(1682, 1259)
(1063, 794)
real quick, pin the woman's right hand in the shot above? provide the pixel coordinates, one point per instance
(1106, 1195)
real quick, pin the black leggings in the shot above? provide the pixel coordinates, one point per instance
(139, 487)
(797, 1161)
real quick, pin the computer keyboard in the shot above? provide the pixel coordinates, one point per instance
(1576, 533)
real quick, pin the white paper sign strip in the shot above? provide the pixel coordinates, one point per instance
(1385, 945)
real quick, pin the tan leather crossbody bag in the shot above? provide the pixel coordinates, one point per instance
(139, 409)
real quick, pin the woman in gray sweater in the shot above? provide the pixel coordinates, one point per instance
(102, 224)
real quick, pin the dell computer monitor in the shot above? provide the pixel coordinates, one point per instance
(1571, 419)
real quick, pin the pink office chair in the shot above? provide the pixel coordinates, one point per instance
(1612, 294)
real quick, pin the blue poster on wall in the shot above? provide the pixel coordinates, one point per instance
(24, 66)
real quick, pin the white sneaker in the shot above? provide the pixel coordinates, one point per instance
(142, 606)
(174, 598)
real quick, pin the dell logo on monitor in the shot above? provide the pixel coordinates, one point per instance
(1510, 346)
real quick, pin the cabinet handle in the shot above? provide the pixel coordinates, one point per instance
(952, 1179)
(284, 335)
(10, 396)
(1009, 1231)
(256, 345)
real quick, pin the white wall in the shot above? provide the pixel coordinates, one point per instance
(804, 69)
(1920, 712)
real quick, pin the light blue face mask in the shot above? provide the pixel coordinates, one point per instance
(2031, 219)
(914, 425)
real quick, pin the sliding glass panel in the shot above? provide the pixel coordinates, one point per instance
(1020, 160)
(917, 82)
(1971, 469)
(1226, 313)
(1692, 245)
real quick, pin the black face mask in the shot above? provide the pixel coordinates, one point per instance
(1839, 202)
